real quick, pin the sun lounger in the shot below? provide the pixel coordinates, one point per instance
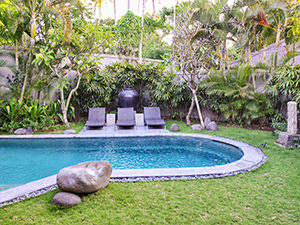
(96, 117)
(126, 117)
(153, 117)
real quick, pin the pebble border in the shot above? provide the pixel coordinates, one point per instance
(147, 178)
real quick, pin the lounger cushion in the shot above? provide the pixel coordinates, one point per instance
(96, 117)
(95, 123)
(126, 117)
(126, 123)
(153, 117)
(155, 122)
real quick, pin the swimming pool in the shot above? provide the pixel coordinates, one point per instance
(26, 160)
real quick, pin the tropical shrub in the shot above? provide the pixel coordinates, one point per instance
(149, 80)
(286, 80)
(12, 110)
(154, 47)
(14, 115)
(237, 100)
(34, 110)
(278, 123)
(128, 33)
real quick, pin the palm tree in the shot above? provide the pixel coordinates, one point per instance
(271, 15)
(216, 19)
(240, 100)
(14, 25)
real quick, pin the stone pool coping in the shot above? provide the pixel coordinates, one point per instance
(252, 159)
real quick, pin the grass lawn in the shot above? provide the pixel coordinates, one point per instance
(77, 126)
(267, 195)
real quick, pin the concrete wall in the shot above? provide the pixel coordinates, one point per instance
(5, 72)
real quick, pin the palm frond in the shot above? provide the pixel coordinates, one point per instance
(290, 55)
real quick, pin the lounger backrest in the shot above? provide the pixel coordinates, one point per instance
(126, 114)
(151, 113)
(96, 114)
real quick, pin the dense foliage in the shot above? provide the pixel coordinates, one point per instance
(233, 96)
(286, 80)
(155, 86)
(53, 38)
(15, 114)
(128, 34)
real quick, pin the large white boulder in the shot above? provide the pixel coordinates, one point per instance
(84, 178)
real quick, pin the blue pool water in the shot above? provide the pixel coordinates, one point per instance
(26, 160)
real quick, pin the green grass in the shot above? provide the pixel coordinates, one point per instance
(267, 195)
(77, 126)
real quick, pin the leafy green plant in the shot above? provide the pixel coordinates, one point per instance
(46, 122)
(296, 143)
(279, 123)
(154, 47)
(149, 80)
(12, 110)
(44, 56)
(238, 101)
(54, 111)
(34, 110)
(286, 80)
(128, 33)
(9, 126)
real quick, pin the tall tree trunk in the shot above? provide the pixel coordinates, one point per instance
(17, 55)
(277, 47)
(194, 100)
(220, 50)
(115, 11)
(65, 105)
(153, 6)
(249, 56)
(188, 121)
(28, 69)
(224, 52)
(64, 109)
(128, 5)
(142, 33)
(198, 107)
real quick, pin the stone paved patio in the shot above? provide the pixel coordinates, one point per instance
(116, 131)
